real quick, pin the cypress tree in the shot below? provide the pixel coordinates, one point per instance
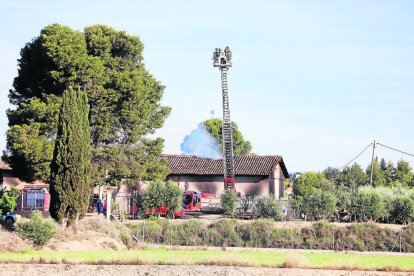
(70, 187)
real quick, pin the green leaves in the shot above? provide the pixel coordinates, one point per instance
(124, 101)
(240, 146)
(159, 194)
(229, 201)
(8, 200)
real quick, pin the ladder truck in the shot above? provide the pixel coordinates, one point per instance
(222, 60)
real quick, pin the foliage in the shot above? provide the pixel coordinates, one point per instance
(402, 209)
(173, 197)
(159, 194)
(70, 169)
(37, 229)
(264, 233)
(368, 204)
(378, 175)
(152, 196)
(353, 177)
(305, 183)
(343, 197)
(269, 207)
(229, 201)
(240, 146)
(124, 101)
(404, 174)
(8, 200)
(319, 203)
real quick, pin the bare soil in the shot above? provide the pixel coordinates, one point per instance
(176, 270)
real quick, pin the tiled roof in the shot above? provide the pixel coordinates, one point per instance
(4, 166)
(243, 165)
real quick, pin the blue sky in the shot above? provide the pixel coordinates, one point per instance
(313, 81)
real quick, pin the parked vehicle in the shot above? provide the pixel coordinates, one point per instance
(163, 211)
(195, 201)
(9, 219)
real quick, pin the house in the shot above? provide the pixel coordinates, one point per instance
(254, 175)
(34, 195)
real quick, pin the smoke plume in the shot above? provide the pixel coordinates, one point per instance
(201, 143)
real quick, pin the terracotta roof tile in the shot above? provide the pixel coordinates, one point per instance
(243, 165)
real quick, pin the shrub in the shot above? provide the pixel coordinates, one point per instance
(8, 200)
(369, 204)
(229, 202)
(37, 229)
(402, 209)
(269, 207)
(319, 204)
(173, 197)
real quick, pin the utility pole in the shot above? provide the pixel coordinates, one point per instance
(372, 163)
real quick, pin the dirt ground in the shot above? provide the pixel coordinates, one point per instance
(177, 270)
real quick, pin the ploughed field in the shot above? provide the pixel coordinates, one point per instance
(177, 270)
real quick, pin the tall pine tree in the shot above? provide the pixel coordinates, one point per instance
(70, 187)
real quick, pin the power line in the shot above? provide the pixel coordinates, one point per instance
(356, 156)
(400, 151)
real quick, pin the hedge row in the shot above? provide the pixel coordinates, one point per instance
(263, 233)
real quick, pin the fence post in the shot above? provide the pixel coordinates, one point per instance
(143, 231)
(333, 238)
(108, 205)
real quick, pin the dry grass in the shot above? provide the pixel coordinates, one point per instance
(11, 242)
(295, 260)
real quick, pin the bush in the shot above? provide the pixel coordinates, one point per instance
(229, 202)
(319, 203)
(269, 207)
(402, 209)
(369, 204)
(37, 229)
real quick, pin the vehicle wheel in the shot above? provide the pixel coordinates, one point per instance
(170, 216)
(9, 221)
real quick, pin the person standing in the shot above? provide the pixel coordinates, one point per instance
(100, 207)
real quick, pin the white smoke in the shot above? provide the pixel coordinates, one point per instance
(201, 143)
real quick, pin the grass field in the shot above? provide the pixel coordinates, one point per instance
(207, 257)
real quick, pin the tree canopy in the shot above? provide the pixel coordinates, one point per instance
(240, 146)
(124, 102)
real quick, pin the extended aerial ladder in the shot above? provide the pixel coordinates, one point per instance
(222, 59)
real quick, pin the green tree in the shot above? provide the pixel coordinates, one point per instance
(319, 203)
(332, 174)
(353, 177)
(70, 187)
(305, 183)
(124, 101)
(173, 197)
(404, 173)
(8, 200)
(240, 146)
(378, 176)
(153, 196)
(369, 204)
(389, 172)
(229, 201)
